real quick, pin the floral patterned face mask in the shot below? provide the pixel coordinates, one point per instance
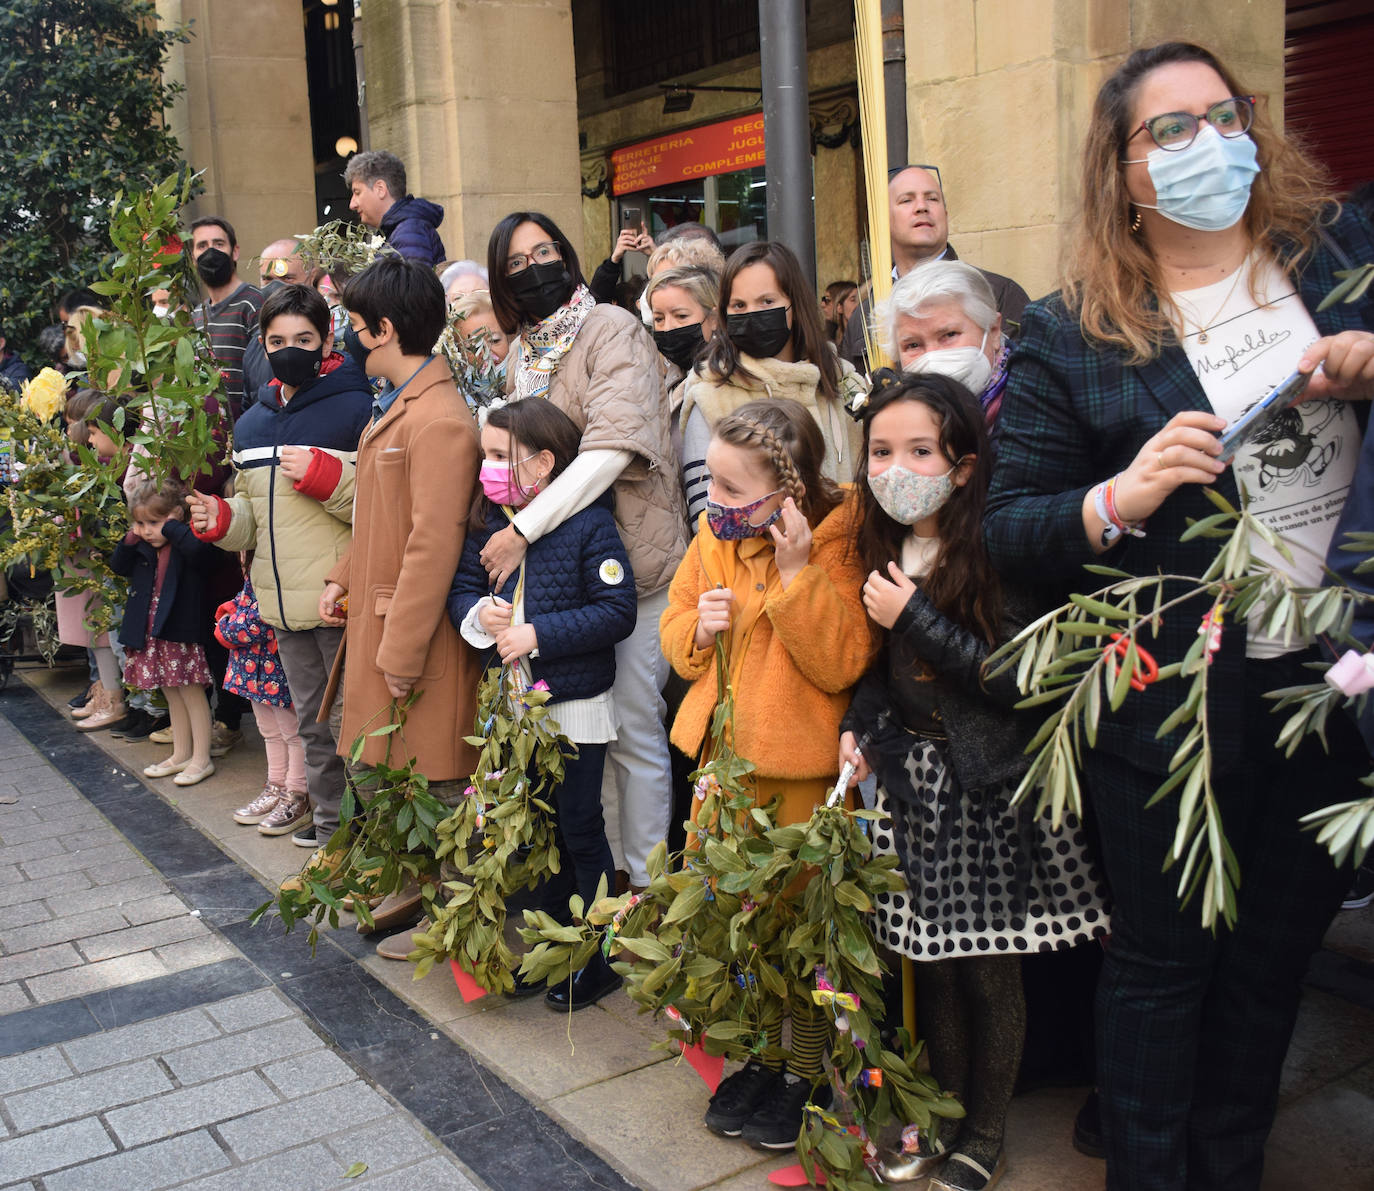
(908, 496)
(731, 523)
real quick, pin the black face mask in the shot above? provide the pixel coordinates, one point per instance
(215, 267)
(357, 350)
(294, 366)
(760, 333)
(539, 290)
(680, 345)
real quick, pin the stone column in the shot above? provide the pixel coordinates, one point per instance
(245, 116)
(479, 99)
(999, 95)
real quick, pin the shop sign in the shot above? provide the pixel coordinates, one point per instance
(692, 153)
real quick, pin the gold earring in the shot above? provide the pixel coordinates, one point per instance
(1136, 221)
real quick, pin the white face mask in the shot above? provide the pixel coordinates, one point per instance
(970, 366)
(1206, 186)
(159, 311)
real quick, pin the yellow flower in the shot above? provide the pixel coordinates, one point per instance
(46, 394)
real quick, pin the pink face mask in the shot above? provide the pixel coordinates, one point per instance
(501, 486)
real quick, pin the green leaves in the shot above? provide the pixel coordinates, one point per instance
(1062, 661)
(501, 839)
(83, 118)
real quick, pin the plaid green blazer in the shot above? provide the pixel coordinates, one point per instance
(1075, 413)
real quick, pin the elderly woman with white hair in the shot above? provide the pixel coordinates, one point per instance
(942, 318)
(463, 277)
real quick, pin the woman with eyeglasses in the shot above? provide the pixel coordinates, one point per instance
(599, 365)
(1206, 242)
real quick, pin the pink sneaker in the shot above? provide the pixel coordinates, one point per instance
(292, 809)
(262, 806)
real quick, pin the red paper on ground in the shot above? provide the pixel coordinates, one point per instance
(795, 1176)
(709, 1067)
(468, 988)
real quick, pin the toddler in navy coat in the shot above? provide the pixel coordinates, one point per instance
(558, 618)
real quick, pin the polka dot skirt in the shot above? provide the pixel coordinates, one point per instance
(983, 878)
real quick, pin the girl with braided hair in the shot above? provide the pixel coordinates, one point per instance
(771, 572)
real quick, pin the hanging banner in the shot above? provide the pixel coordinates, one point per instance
(692, 153)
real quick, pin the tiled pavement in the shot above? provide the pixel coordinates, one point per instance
(154, 1039)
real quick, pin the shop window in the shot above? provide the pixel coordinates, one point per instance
(650, 44)
(733, 205)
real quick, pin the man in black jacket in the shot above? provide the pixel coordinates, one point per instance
(919, 226)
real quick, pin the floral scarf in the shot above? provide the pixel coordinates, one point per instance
(543, 346)
(991, 397)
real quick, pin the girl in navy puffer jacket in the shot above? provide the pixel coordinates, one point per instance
(558, 618)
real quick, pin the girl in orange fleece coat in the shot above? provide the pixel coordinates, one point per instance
(772, 566)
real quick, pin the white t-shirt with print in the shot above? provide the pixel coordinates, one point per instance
(1297, 471)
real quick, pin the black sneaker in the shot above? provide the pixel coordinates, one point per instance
(1087, 1128)
(738, 1098)
(137, 725)
(149, 724)
(778, 1119)
(1362, 891)
(306, 838)
(82, 697)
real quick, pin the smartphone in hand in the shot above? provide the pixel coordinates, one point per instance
(1284, 395)
(632, 219)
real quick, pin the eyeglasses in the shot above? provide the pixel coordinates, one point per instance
(933, 170)
(1177, 130)
(540, 254)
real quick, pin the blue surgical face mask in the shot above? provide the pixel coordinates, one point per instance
(1207, 185)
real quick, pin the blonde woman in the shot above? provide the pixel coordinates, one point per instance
(1206, 243)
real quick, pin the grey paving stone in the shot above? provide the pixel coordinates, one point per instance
(195, 953)
(314, 1116)
(14, 817)
(9, 873)
(87, 1094)
(61, 930)
(107, 944)
(13, 998)
(147, 1168)
(251, 1009)
(35, 963)
(108, 973)
(153, 909)
(29, 890)
(93, 859)
(124, 870)
(32, 1069)
(140, 1040)
(119, 895)
(95, 834)
(311, 1167)
(188, 1108)
(240, 1052)
(23, 914)
(305, 1073)
(383, 1145)
(438, 1174)
(48, 1149)
(35, 849)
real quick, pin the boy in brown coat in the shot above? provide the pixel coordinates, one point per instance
(417, 470)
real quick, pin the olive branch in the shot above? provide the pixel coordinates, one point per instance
(737, 928)
(1061, 659)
